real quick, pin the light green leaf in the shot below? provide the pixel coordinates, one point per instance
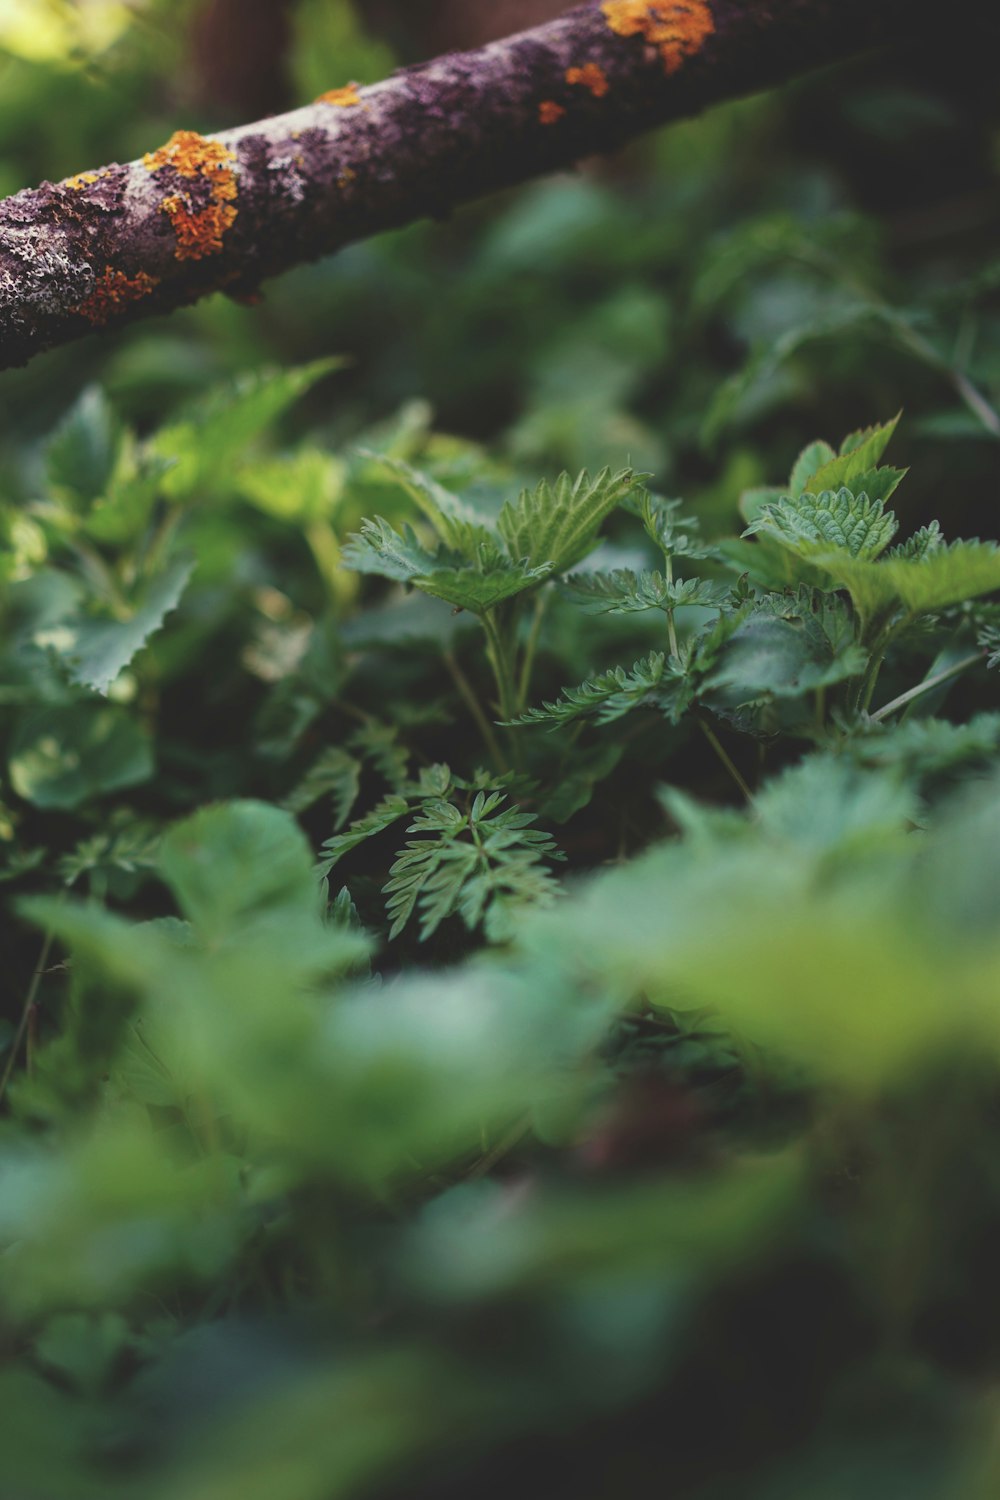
(208, 447)
(946, 575)
(556, 526)
(62, 756)
(456, 523)
(96, 651)
(808, 463)
(859, 455)
(303, 487)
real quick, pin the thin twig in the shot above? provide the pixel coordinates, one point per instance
(926, 686)
(468, 696)
(717, 746)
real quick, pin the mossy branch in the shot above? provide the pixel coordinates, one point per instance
(201, 215)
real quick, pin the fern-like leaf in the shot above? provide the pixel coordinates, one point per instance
(626, 592)
(607, 697)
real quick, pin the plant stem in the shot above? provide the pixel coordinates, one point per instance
(671, 627)
(500, 662)
(472, 703)
(717, 746)
(531, 646)
(26, 1012)
(926, 686)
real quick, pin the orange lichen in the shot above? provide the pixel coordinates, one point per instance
(344, 98)
(677, 28)
(199, 228)
(549, 112)
(82, 180)
(591, 76)
(114, 290)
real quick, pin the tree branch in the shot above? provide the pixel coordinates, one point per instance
(201, 215)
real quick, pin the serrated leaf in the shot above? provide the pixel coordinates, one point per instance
(772, 656)
(626, 592)
(858, 458)
(81, 455)
(813, 524)
(468, 588)
(379, 548)
(809, 462)
(336, 774)
(607, 697)
(209, 446)
(455, 522)
(388, 811)
(554, 526)
(95, 652)
(945, 575)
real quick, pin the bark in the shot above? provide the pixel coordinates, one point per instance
(200, 215)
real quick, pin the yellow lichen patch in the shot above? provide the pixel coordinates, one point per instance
(591, 76)
(677, 28)
(191, 155)
(82, 180)
(199, 231)
(114, 290)
(549, 112)
(344, 98)
(199, 228)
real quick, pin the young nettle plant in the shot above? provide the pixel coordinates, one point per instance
(494, 569)
(822, 600)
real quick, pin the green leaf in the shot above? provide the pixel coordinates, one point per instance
(456, 523)
(483, 588)
(607, 697)
(302, 487)
(483, 865)
(813, 524)
(556, 526)
(60, 757)
(336, 773)
(388, 811)
(857, 460)
(781, 658)
(81, 455)
(231, 864)
(382, 550)
(95, 652)
(209, 448)
(626, 592)
(920, 585)
(808, 463)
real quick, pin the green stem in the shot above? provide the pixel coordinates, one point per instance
(531, 647)
(671, 627)
(720, 751)
(26, 1012)
(927, 686)
(472, 703)
(500, 662)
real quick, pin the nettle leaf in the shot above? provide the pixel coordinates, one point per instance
(779, 658)
(809, 462)
(208, 447)
(813, 524)
(675, 534)
(379, 548)
(607, 697)
(482, 587)
(918, 585)
(857, 461)
(475, 861)
(95, 652)
(455, 522)
(305, 486)
(557, 525)
(81, 455)
(388, 811)
(62, 756)
(626, 592)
